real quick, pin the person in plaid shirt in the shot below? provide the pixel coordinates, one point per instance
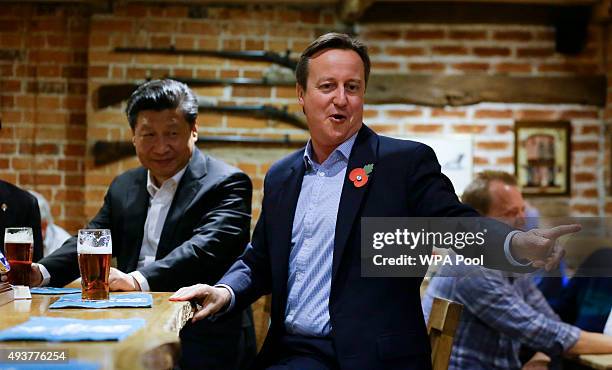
(504, 312)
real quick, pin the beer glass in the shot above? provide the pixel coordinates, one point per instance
(18, 247)
(95, 249)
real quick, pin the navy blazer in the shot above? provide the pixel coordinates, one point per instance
(377, 323)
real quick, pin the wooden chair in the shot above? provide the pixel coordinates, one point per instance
(442, 325)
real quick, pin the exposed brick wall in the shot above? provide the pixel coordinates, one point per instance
(49, 53)
(43, 63)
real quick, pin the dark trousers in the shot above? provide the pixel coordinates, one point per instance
(305, 353)
(224, 344)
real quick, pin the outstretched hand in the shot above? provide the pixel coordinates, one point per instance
(540, 245)
(211, 299)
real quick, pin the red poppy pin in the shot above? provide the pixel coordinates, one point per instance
(359, 176)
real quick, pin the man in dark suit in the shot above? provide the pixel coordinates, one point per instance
(18, 208)
(180, 219)
(306, 245)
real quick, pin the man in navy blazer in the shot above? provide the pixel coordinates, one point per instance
(305, 248)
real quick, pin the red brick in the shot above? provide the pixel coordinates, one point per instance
(48, 71)
(513, 67)
(311, 17)
(578, 114)
(502, 129)
(482, 161)
(426, 67)
(504, 161)
(536, 114)
(512, 35)
(10, 86)
(440, 112)
(493, 145)
(404, 51)
(589, 193)
(585, 146)
(535, 52)
(490, 113)
(74, 180)
(396, 113)
(449, 50)
(425, 128)
(468, 35)
(385, 65)
(423, 35)
(584, 177)
(381, 35)
(609, 207)
(589, 161)
(74, 150)
(470, 67)
(469, 129)
(109, 25)
(7, 148)
(585, 208)
(590, 129)
(491, 51)
(98, 71)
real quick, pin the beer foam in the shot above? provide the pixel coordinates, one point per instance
(86, 249)
(18, 237)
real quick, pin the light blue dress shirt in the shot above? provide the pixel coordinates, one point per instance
(312, 242)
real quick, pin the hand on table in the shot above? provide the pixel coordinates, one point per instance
(212, 299)
(120, 281)
(540, 245)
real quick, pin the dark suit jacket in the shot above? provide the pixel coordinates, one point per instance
(377, 323)
(207, 226)
(20, 210)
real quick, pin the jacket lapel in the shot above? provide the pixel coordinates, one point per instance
(185, 194)
(136, 209)
(363, 153)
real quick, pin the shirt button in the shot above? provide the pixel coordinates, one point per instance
(321, 174)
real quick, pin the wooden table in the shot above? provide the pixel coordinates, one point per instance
(156, 346)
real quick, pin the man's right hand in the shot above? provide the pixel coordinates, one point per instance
(212, 299)
(36, 277)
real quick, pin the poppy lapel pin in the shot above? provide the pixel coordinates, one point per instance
(359, 176)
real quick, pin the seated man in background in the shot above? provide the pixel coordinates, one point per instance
(53, 235)
(180, 219)
(586, 300)
(19, 209)
(501, 313)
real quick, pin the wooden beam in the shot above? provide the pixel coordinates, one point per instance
(459, 90)
(523, 2)
(351, 10)
(465, 12)
(602, 11)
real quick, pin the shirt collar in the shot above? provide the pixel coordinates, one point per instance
(152, 189)
(343, 149)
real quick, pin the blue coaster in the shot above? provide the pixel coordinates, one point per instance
(59, 329)
(53, 290)
(115, 300)
(70, 365)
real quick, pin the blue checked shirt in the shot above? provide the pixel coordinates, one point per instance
(312, 242)
(500, 314)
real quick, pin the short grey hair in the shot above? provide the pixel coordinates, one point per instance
(45, 210)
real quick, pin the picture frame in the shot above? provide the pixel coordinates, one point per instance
(542, 157)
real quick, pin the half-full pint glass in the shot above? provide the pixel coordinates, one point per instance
(18, 248)
(95, 249)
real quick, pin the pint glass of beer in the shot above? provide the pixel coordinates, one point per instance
(18, 247)
(95, 249)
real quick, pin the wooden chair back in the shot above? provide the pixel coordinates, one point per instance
(443, 322)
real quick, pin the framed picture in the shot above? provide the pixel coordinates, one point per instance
(542, 157)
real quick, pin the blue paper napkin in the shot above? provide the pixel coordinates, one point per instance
(70, 365)
(115, 300)
(53, 290)
(60, 329)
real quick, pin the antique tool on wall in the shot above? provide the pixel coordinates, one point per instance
(254, 55)
(257, 111)
(105, 152)
(112, 94)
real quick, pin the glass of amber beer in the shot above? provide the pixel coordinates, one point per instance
(18, 247)
(95, 249)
